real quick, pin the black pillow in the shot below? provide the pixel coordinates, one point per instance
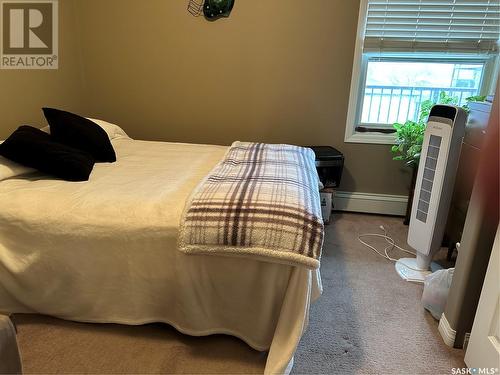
(36, 149)
(80, 133)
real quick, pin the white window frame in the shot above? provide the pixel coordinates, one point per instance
(358, 81)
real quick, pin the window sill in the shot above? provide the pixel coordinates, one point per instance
(374, 138)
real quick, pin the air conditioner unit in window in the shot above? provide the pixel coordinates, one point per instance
(434, 187)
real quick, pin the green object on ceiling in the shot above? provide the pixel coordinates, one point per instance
(215, 9)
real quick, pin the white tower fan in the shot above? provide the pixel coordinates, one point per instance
(433, 189)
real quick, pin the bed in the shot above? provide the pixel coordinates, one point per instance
(105, 251)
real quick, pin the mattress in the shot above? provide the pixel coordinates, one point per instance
(106, 251)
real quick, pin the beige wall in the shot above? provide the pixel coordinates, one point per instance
(24, 92)
(275, 71)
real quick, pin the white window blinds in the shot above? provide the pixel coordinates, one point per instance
(432, 25)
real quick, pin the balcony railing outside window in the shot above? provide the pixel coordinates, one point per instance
(383, 105)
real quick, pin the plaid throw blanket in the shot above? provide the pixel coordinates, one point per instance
(261, 201)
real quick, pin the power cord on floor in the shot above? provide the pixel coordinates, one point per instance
(387, 249)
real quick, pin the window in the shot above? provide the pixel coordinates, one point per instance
(409, 51)
(395, 88)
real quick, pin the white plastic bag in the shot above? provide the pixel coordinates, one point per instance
(436, 288)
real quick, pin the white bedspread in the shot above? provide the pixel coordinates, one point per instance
(106, 251)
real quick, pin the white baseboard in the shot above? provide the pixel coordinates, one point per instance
(370, 203)
(447, 333)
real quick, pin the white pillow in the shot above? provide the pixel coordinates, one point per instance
(10, 169)
(113, 131)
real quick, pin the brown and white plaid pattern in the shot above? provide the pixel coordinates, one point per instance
(262, 201)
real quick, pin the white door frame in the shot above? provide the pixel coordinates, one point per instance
(483, 351)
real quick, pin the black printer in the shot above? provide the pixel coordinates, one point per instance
(330, 164)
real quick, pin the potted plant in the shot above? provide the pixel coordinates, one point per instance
(410, 136)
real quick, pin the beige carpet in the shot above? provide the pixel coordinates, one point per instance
(367, 321)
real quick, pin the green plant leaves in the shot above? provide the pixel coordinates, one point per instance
(410, 135)
(476, 98)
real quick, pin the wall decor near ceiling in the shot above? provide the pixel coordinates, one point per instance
(211, 9)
